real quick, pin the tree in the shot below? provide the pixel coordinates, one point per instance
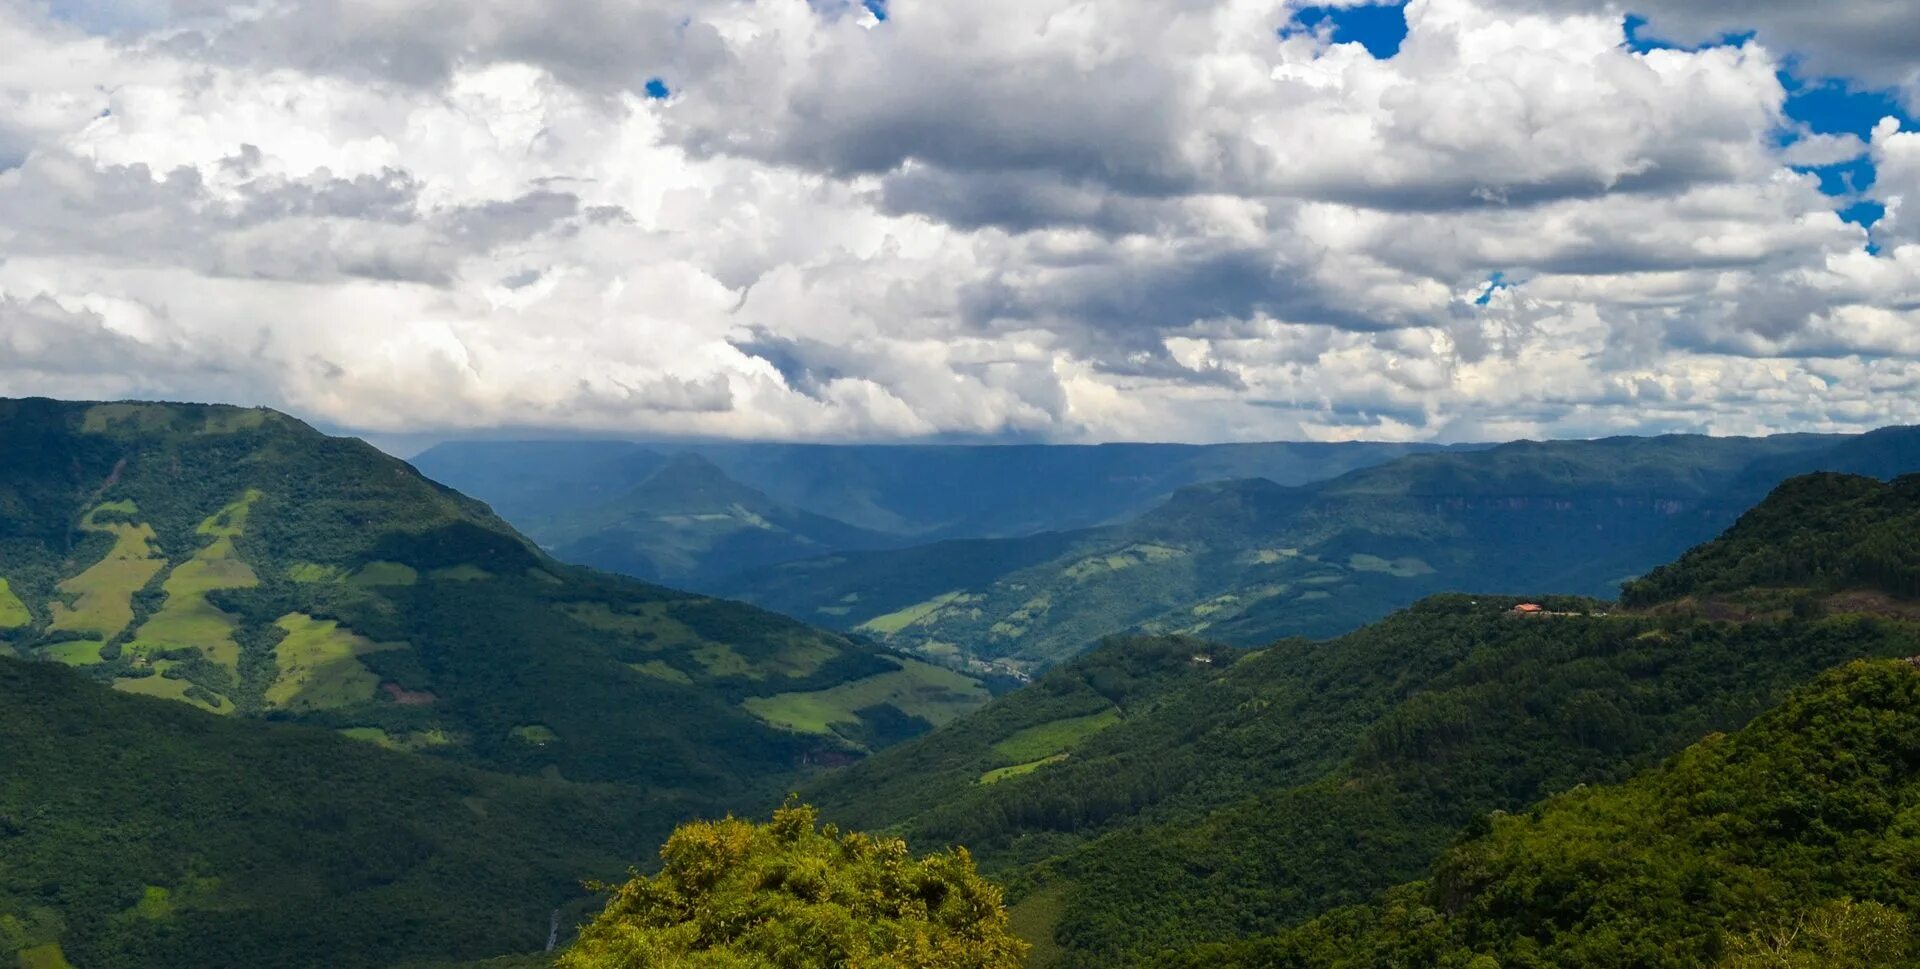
(789, 894)
(1839, 935)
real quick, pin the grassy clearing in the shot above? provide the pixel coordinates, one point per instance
(371, 735)
(13, 612)
(102, 418)
(651, 625)
(103, 604)
(233, 421)
(415, 741)
(1271, 556)
(918, 689)
(537, 734)
(46, 956)
(167, 688)
(1056, 737)
(375, 574)
(719, 659)
(659, 670)
(1033, 920)
(460, 573)
(187, 618)
(893, 622)
(313, 573)
(1133, 556)
(155, 904)
(1403, 568)
(79, 652)
(319, 665)
(997, 775)
(800, 657)
(1236, 601)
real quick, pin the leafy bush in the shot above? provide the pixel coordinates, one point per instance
(791, 895)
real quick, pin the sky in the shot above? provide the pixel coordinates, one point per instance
(1037, 220)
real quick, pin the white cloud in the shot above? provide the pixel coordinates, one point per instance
(1092, 219)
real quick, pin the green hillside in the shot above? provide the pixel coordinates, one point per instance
(1816, 534)
(1250, 561)
(1306, 776)
(141, 834)
(688, 523)
(1789, 843)
(239, 562)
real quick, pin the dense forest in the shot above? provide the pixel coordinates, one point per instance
(1246, 797)
(139, 833)
(1789, 843)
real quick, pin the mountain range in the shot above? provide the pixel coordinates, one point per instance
(691, 513)
(272, 698)
(237, 561)
(1158, 794)
(1332, 536)
(1249, 561)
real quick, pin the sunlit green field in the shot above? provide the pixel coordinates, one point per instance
(319, 665)
(918, 689)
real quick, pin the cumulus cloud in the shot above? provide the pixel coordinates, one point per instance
(1064, 219)
(1873, 41)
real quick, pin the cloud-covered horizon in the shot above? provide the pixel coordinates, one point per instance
(1070, 220)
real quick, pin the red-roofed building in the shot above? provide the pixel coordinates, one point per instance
(1529, 609)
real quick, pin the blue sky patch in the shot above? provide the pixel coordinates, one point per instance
(657, 89)
(1832, 107)
(877, 7)
(1495, 283)
(1380, 28)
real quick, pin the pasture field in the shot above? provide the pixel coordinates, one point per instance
(319, 665)
(460, 573)
(650, 625)
(373, 575)
(659, 670)
(46, 956)
(167, 688)
(893, 622)
(187, 618)
(103, 594)
(77, 652)
(313, 573)
(720, 660)
(1056, 737)
(537, 734)
(917, 689)
(999, 774)
(13, 612)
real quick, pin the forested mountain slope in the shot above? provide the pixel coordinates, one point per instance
(1249, 561)
(925, 493)
(1816, 534)
(1307, 776)
(687, 524)
(137, 833)
(239, 562)
(1788, 843)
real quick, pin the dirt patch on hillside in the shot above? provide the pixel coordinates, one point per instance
(1873, 604)
(406, 697)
